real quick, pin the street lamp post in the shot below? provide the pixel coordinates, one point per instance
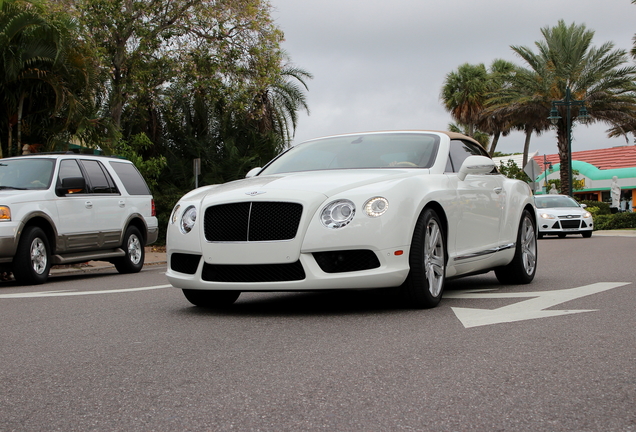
(567, 102)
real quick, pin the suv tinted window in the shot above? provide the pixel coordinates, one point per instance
(131, 178)
(100, 180)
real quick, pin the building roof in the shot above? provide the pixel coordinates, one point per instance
(603, 159)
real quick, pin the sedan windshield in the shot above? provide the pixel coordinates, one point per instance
(555, 201)
(378, 150)
(31, 173)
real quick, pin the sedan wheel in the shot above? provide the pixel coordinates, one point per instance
(424, 285)
(523, 266)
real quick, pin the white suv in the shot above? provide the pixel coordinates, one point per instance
(70, 208)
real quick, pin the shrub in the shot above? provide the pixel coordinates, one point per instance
(615, 221)
(603, 207)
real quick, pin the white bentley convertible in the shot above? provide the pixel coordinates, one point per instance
(403, 209)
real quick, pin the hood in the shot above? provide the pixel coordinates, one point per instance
(327, 183)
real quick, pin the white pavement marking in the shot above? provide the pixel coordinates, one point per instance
(524, 310)
(78, 293)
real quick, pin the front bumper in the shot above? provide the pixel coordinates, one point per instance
(307, 273)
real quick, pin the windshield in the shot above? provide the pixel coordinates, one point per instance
(31, 173)
(378, 150)
(552, 201)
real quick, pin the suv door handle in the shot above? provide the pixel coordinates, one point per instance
(88, 204)
(122, 203)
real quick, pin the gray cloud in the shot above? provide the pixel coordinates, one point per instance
(380, 65)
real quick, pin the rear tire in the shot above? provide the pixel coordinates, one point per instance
(133, 245)
(424, 285)
(32, 261)
(523, 266)
(211, 299)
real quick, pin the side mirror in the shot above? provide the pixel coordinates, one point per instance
(475, 165)
(253, 172)
(583, 205)
(71, 185)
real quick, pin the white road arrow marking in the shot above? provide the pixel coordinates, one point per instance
(524, 310)
(77, 293)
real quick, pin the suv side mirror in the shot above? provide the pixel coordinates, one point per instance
(71, 185)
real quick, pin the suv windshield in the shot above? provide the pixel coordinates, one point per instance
(31, 173)
(378, 150)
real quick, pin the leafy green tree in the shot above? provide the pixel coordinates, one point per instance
(48, 82)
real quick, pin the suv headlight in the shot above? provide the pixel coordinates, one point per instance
(337, 214)
(188, 219)
(5, 213)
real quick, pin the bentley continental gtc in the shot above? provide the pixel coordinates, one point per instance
(399, 209)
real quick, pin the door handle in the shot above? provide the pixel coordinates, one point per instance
(88, 204)
(122, 203)
(498, 190)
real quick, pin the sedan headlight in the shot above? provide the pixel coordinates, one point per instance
(337, 214)
(376, 207)
(587, 215)
(547, 216)
(188, 219)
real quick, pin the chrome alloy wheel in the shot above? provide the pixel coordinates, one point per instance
(434, 258)
(39, 258)
(528, 246)
(134, 249)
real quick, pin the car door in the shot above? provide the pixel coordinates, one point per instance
(108, 204)
(76, 225)
(479, 206)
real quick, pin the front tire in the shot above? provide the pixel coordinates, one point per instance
(32, 261)
(523, 266)
(211, 299)
(424, 284)
(133, 245)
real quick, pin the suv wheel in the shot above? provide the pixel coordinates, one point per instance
(32, 260)
(133, 245)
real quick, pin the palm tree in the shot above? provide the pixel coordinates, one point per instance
(501, 72)
(567, 59)
(464, 93)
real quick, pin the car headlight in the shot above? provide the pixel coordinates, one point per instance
(188, 219)
(175, 212)
(587, 215)
(547, 216)
(5, 213)
(337, 214)
(376, 207)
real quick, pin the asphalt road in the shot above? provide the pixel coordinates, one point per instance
(94, 352)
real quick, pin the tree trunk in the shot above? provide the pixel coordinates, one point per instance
(562, 143)
(493, 144)
(526, 146)
(19, 130)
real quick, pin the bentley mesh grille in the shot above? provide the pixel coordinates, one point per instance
(252, 221)
(253, 272)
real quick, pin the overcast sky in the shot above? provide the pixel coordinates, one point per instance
(380, 64)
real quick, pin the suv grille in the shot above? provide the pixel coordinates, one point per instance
(252, 221)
